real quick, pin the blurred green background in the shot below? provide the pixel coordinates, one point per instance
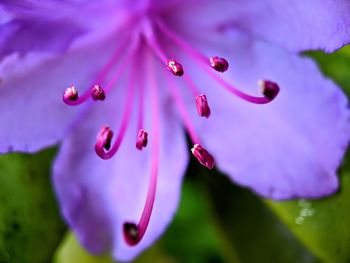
(216, 221)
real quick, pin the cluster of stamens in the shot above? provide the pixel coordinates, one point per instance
(106, 149)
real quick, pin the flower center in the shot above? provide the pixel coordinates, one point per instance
(149, 30)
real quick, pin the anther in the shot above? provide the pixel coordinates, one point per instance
(131, 234)
(142, 139)
(97, 93)
(269, 89)
(202, 106)
(175, 67)
(203, 156)
(219, 64)
(104, 138)
(70, 94)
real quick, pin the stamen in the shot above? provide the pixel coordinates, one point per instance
(183, 112)
(97, 93)
(71, 97)
(269, 89)
(133, 233)
(142, 139)
(202, 61)
(70, 94)
(240, 94)
(202, 106)
(203, 156)
(172, 65)
(219, 64)
(104, 138)
(199, 152)
(99, 147)
(175, 67)
(99, 79)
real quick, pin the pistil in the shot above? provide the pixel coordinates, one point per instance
(133, 233)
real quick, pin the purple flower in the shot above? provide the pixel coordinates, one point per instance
(114, 56)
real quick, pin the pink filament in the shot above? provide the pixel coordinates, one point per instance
(102, 75)
(203, 62)
(124, 124)
(183, 111)
(191, 85)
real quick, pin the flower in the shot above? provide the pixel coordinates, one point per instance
(114, 57)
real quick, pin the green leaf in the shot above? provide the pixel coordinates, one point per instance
(254, 231)
(335, 65)
(322, 225)
(71, 251)
(30, 225)
(196, 234)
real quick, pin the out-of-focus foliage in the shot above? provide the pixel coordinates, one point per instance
(30, 226)
(322, 225)
(216, 221)
(336, 66)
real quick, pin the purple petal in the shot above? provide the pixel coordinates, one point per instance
(293, 24)
(52, 26)
(33, 114)
(289, 148)
(29, 35)
(299, 25)
(98, 196)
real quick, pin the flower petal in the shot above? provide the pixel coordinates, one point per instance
(293, 24)
(33, 114)
(52, 26)
(299, 25)
(98, 196)
(289, 148)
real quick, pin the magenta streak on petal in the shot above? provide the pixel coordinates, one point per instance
(203, 62)
(101, 76)
(99, 147)
(133, 234)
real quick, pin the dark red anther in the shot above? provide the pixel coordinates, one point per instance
(70, 94)
(104, 138)
(203, 156)
(175, 67)
(202, 106)
(269, 89)
(97, 93)
(219, 64)
(131, 234)
(142, 139)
